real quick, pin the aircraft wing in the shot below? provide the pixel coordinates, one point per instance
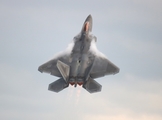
(51, 67)
(102, 66)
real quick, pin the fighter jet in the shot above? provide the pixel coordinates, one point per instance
(80, 63)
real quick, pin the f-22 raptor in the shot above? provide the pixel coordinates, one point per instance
(80, 64)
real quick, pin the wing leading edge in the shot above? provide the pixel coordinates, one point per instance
(51, 66)
(101, 66)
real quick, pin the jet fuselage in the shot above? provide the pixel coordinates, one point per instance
(82, 60)
(80, 64)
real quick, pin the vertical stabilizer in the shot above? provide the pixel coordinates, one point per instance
(64, 70)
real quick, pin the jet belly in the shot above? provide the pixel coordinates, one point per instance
(80, 64)
(80, 61)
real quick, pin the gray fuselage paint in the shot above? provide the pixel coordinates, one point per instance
(81, 58)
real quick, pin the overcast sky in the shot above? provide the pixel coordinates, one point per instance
(129, 33)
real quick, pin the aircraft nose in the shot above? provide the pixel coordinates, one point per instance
(87, 26)
(89, 18)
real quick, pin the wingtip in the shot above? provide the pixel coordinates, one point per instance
(40, 69)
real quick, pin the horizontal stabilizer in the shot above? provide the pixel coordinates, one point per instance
(92, 86)
(58, 85)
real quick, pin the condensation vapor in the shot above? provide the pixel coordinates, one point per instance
(93, 49)
(67, 51)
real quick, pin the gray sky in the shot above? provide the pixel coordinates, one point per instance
(129, 33)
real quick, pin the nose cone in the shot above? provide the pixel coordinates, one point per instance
(87, 26)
